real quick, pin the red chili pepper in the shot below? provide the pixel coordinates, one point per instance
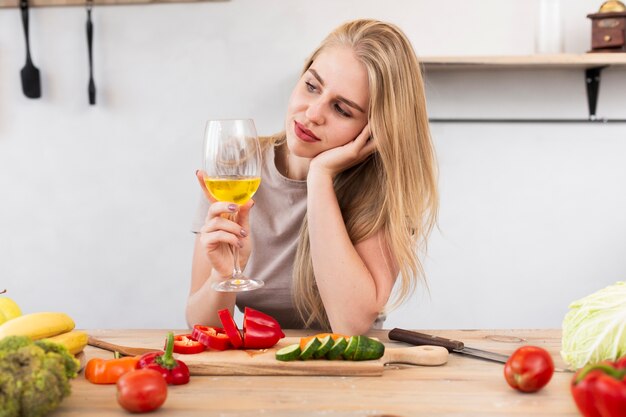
(211, 337)
(174, 371)
(260, 331)
(186, 344)
(599, 390)
(230, 327)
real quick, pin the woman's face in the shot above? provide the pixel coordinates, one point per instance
(328, 107)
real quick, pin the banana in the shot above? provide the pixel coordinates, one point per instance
(37, 325)
(75, 341)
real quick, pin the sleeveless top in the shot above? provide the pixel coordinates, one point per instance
(275, 221)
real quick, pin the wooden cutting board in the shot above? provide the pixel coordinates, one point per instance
(263, 362)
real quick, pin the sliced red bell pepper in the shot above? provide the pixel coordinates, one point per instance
(230, 327)
(260, 331)
(174, 371)
(599, 390)
(211, 337)
(186, 344)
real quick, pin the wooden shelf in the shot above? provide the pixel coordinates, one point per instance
(51, 3)
(559, 61)
(590, 64)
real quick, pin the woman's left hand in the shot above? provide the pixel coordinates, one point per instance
(336, 160)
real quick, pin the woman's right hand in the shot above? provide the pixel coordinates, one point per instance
(220, 231)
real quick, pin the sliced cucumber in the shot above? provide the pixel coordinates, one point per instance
(368, 349)
(351, 348)
(338, 348)
(288, 353)
(310, 348)
(326, 344)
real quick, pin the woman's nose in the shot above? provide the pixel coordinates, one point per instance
(315, 112)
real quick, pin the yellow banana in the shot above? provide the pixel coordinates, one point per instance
(37, 325)
(75, 341)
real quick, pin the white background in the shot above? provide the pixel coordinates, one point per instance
(96, 202)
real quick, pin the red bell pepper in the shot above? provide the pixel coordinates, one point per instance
(211, 337)
(230, 327)
(108, 371)
(186, 344)
(174, 371)
(260, 331)
(599, 390)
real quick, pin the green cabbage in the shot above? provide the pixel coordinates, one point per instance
(595, 327)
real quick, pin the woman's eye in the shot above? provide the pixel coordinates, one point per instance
(341, 111)
(310, 87)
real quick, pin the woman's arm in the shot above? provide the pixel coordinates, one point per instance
(204, 302)
(354, 280)
(212, 258)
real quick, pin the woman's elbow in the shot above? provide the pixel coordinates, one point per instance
(358, 324)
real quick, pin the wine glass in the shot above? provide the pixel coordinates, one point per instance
(232, 166)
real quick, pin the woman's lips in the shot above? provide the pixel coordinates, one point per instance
(303, 133)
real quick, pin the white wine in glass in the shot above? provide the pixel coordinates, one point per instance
(232, 164)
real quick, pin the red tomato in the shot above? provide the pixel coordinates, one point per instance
(141, 390)
(529, 369)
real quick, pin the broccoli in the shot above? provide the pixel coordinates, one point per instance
(34, 376)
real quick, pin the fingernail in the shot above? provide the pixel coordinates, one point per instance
(232, 207)
(243, 233)
(197, 170)
(240, 243)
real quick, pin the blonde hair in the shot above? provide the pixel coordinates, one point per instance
(402, 173)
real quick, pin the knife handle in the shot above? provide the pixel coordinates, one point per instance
(416, 338)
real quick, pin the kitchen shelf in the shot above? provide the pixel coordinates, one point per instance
(557, 61)
(592, 64)
(51, 3)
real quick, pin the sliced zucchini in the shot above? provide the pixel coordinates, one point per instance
(338, 348)
(326, 343)
(288, 353)
(310, 348)
(368, 349)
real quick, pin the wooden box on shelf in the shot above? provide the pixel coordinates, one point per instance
(607, 32)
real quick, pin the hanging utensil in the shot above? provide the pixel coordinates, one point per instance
(31, 83)
(92, 85)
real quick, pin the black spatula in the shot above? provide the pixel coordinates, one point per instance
(31, 83)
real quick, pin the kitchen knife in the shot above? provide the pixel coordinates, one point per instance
(416, 338)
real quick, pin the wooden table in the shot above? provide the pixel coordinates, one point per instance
(463, 387)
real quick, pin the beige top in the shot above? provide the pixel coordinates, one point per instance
(275, 220)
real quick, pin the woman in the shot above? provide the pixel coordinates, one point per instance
(348, 193)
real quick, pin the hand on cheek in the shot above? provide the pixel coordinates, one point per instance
(335, 160)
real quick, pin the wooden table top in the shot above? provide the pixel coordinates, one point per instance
(463, 387)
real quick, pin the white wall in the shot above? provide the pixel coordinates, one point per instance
(96, 202)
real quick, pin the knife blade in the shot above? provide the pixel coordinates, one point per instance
(455, 346)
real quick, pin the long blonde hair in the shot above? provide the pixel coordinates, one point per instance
(396, 188)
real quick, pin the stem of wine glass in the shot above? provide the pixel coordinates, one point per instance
(236, 267)
(235, 252)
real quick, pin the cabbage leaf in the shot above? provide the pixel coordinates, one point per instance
(594, 329)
